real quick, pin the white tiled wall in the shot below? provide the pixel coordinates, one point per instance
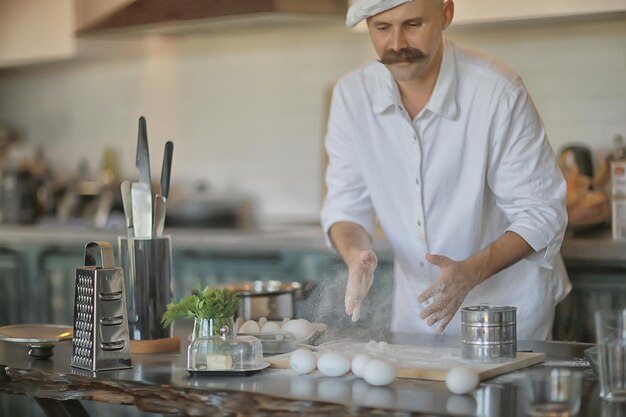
(246, 108)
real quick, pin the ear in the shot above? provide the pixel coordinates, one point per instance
(448, 13)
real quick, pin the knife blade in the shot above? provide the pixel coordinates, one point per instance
(160, 201)
(127, 203)
(141, 192)
(130, 246)
(142, 160)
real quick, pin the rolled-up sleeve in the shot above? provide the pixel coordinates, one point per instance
(347, 198)
(525, 178)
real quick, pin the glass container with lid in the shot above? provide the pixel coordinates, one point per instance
(225, 354)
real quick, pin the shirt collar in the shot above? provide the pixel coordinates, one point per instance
(442, 101)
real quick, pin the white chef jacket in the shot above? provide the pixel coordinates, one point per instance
(474, 163)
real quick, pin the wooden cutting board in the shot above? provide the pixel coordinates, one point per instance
(419, 362)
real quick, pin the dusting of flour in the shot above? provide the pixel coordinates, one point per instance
(406, 356)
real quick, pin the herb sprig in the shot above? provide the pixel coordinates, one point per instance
(205, 304)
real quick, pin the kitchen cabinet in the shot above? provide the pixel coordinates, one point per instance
(595, 285)
(11, 285)
(596, 266)
(469, 12)
(166, 16)
(33, 32)
(37, 270)
(90, 11)
(56, 270)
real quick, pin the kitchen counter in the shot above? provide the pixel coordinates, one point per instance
(593, 245)
(160, 383)
(275, 238)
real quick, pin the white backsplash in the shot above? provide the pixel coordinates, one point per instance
(246, 109)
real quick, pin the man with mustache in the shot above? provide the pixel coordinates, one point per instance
(445, 146)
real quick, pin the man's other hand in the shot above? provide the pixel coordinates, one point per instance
(447, 292)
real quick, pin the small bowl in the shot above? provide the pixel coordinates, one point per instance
(40, 338)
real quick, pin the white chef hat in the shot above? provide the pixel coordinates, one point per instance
(362, 9)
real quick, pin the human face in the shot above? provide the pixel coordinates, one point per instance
(408, 38)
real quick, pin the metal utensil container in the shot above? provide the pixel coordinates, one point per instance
(489, 333)
(100, 340)
(147, 265)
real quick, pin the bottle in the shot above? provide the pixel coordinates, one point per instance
(603, 177)
(618, 189)
(18, 196)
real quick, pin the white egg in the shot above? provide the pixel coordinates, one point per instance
(238, 324)
(250, 326)
(303, 361)
(270, 327)
(461, 380)
(300, 328)
(262, 321)
(333, 364)
(358, 364)
(378, 373)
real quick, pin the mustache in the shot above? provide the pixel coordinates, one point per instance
(403, 55)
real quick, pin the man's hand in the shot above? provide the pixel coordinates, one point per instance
(458, 278)
(360, 277)
(448, 291)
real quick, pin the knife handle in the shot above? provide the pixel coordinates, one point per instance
(167, 168)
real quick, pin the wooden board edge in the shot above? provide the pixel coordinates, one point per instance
(165, 345)
(527, 359)
(279, 361)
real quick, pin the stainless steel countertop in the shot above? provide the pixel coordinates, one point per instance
(500, 396)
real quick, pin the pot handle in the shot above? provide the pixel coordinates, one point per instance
(305, 290)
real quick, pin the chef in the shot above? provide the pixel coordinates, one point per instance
(444, 145)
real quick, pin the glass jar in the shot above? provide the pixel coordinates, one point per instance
(211, 327)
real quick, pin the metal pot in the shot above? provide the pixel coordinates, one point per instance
(271, 299)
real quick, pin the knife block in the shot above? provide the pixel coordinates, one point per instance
(147, 265)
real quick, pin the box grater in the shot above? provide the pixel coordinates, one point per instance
(100, 341)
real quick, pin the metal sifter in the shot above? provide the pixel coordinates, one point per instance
(100, 340)
(489, 333)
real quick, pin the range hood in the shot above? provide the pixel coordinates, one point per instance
(152, 13)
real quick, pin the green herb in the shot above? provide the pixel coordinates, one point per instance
(206, 304)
